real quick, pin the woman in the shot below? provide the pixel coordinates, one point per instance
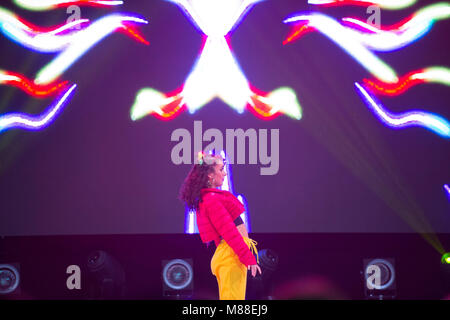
(218, 219)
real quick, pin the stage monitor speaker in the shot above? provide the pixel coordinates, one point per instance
(9, 279)
(177, 278)
(379, 278)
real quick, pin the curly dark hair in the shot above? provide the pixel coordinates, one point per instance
(196, 180)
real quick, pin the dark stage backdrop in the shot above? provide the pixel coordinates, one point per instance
(95, 171)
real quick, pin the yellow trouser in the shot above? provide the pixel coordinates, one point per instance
(231, 274)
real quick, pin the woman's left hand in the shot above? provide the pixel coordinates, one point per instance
(254, 268)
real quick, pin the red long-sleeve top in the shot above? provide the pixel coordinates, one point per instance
(217, 211)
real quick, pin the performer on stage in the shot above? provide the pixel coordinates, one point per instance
(218, 219)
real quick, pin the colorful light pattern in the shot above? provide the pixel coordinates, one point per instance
(41, 5)
(360, 25)
(391, 40)
(30, 122)
(419, 118)
(385, 4)
(71, 44)
(151, 101)
(82, 42)
(216, 73)
(190, 225)
(52, 41)
(55, 39)
(19, 81)
(281, 100)
(344, 37)
(447, 190)
(359, 39)
(439, 75)
(10, 18)
(427, 16)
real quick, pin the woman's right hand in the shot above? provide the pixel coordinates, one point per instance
(254, 268)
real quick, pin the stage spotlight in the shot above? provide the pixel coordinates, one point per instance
(178, 278)
(106, 276)
(261, 285)
(9, 278)
(446, 258)
(445, 273)
(379, 279)
(268, 260)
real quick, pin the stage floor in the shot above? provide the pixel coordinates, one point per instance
(316, 265)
